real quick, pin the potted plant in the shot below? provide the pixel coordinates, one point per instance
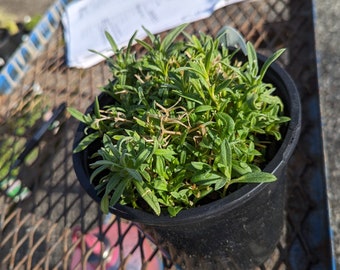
(191, 139)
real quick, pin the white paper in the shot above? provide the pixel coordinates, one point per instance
(86, 21)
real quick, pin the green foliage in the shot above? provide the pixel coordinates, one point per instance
(188, 120)
(18, 124)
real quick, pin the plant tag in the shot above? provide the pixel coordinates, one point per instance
(230, 37)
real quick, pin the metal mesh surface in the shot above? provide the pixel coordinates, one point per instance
(46, 230)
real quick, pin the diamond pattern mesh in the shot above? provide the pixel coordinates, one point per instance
(48, 229)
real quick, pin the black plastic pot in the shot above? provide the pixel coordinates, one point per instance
(240, 230)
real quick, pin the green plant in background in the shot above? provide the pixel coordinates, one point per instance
(15, 126)
(31, 22)
(8, 21)
(188, 121)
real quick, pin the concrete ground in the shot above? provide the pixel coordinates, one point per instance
(327, 39)
(21, 8)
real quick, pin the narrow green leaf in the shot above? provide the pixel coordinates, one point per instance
(226, 158)
(148, 196)
(112, 42)
(191, 149)
(107, 140)
(171, 36)
(203, 192)
(102, 163)
(174, 210)
(220, 183)
(223, 86)
(96, 108)
(98, 170)
(206, 178)
(183, 157)
(188, 97)
(167, 153)
(236, 70)
(100, 187)
(203, 108)
(269, 61)
(252, 59)
(284, 119)
(118, 192)
(150, 35)
(154, 68)
(228, 121)
(200, 165)
(110, 148)
(112, 184)
(160, 184)
(241, 168)
(208, 56)
(145, 174)
(254, 168)
(198, 69)
(160, 167)
(276, 134)
(77, 115)
(131, 41)
(134, 174)
(142, 157)
(84, 143)
(104, 204)
(118, 137)
(102, 55)
(255, 177)
(144, 44)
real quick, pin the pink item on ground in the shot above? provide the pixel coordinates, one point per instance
(102, 247)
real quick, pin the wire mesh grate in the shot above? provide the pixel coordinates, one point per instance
(48, 229)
